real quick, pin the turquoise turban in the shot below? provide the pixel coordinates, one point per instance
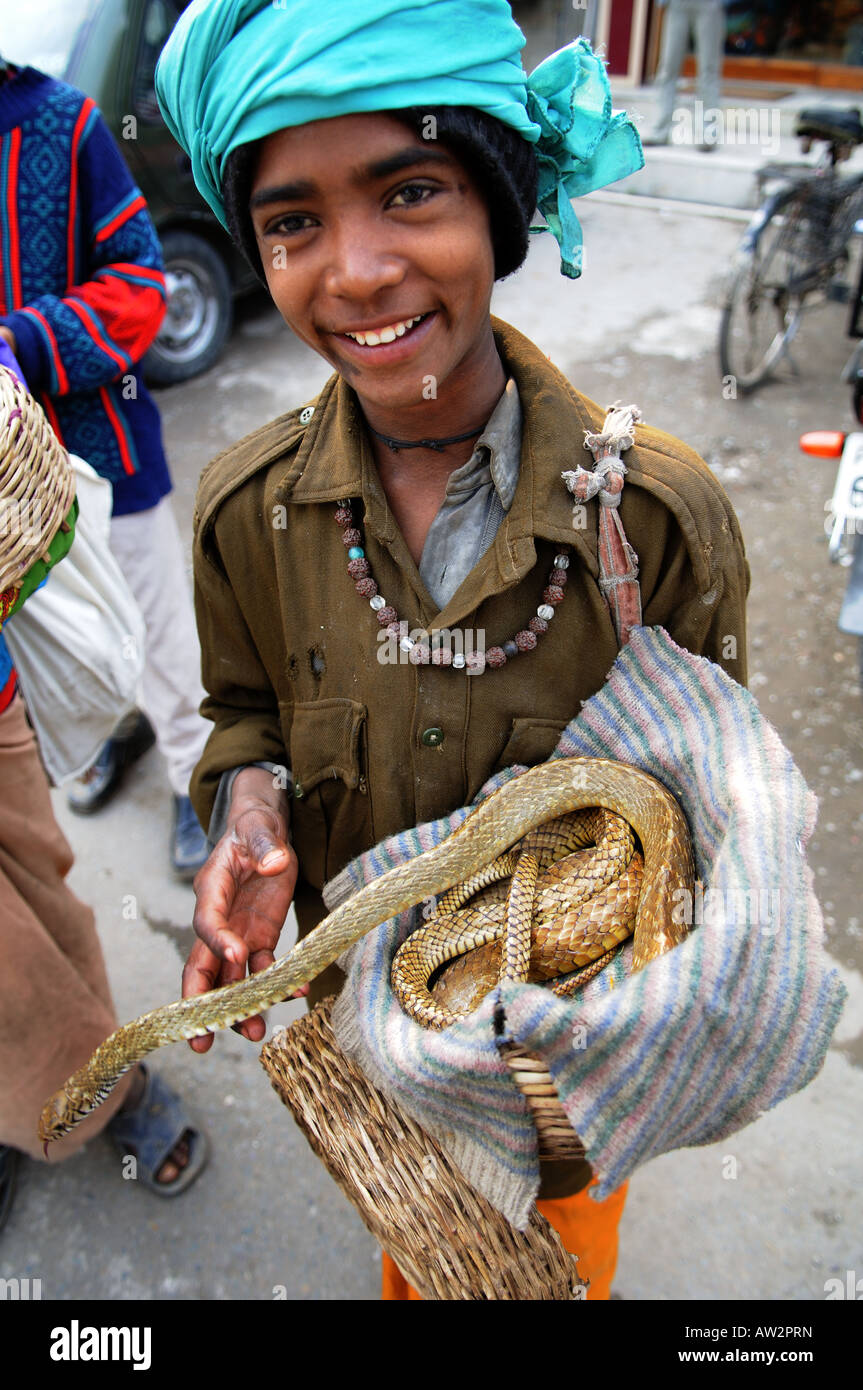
(235, 71)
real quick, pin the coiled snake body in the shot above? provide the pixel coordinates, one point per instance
(544, 793)
(565, 906)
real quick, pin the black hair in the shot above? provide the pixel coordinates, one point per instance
(236, 192)
(501, 162)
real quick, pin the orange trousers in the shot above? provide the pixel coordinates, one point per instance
(586, 1228)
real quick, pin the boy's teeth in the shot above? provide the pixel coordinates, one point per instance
(384, 335)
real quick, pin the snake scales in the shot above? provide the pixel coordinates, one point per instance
(564, 906)
(543, 793)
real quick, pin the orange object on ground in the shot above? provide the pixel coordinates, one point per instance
(587, 1229)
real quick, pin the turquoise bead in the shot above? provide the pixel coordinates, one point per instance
(356, 552)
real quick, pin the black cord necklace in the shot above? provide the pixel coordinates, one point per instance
(437, 444)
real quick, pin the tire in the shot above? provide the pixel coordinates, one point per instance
(762, 312)
(200, 310)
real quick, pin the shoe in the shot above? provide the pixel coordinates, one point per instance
(189, 851)
(8, 1179)
(97, 785)
(152, 1131)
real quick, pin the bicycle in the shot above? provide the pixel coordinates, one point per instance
(793, 250)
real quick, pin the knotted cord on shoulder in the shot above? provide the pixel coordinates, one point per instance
(618, 562)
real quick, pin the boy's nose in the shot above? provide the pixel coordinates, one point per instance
(360, 263)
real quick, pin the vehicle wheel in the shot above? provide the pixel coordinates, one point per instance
(762, 312)
(200, 310)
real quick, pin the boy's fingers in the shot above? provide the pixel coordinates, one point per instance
(252, 1028)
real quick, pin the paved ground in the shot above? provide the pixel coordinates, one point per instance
(642, 325)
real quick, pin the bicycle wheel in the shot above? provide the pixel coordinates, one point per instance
(762, 309)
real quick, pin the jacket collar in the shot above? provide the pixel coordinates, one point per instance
(321, 453)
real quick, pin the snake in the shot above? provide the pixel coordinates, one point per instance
(545, 908)
(496, 824)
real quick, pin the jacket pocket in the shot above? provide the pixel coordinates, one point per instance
(331, 814)
(531, 741)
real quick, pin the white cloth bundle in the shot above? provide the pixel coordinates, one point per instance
(78, 642)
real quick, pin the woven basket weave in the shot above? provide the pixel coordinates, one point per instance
(446, 1239)
(557, 1139)
(37, 483)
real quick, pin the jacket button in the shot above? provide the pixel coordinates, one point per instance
(298, 788)
(306, 414)
(432, 738)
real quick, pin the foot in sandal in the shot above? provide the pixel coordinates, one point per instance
(157, 1130)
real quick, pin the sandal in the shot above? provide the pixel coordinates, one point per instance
(153, 1130)
(8, 1177)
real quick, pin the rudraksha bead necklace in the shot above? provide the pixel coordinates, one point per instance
(424, 654)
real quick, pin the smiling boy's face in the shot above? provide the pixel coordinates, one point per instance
(378, 254)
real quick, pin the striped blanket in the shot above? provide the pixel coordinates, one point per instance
(685, 1052)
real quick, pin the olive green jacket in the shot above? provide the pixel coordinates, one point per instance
(291, 651)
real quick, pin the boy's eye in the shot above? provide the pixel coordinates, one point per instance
(411, 194)
(289, 224)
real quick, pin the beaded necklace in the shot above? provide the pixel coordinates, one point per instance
(425, 653)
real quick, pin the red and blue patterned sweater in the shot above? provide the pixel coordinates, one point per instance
(81, 287)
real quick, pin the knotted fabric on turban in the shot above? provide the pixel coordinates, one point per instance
(236, 71)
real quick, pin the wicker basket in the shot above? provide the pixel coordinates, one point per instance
(557, 1139)
(447, 1240)
(37, 483)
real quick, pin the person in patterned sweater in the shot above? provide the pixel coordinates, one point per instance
(82, 295)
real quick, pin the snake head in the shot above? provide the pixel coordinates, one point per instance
(62, 1112)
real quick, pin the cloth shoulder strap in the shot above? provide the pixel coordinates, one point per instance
(618, 562)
